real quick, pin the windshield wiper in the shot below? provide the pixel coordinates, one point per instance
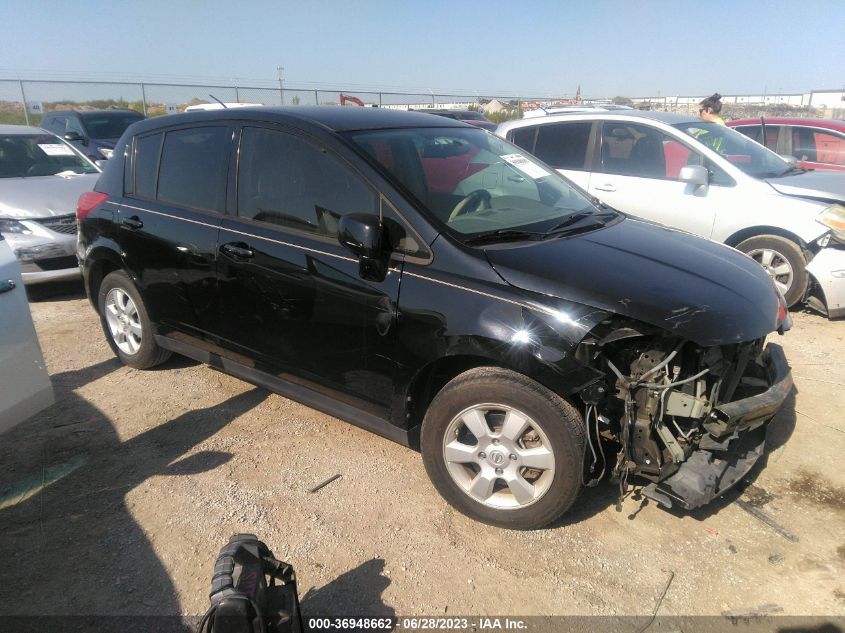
(568, 223)
(504, 235)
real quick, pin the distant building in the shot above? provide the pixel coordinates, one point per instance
(493, 106)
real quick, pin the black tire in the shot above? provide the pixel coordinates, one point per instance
(148, 353)
(788, 251)
(559, 421)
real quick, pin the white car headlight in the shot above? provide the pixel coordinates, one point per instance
(834, 218)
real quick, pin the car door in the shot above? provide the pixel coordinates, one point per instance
(169, 219)
(26, 387)
(291, 297)
(636, 170)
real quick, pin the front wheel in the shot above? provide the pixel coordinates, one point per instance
(783, 260)
(503, 449)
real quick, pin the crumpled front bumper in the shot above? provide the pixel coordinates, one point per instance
(735, 441)
(828, 269)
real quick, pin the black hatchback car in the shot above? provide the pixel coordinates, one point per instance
(435, 284)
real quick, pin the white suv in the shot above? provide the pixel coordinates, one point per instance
(709, 180)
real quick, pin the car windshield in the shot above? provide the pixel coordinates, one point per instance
(752, 158)
(24, 155)
(474, 183)
(109, 124)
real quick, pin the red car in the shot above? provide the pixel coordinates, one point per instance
(816, 143)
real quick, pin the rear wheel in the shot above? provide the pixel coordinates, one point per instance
(783, 260)
(126, 323)
(503, 449)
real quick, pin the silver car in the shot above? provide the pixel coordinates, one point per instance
(41, 178)
(26, 387)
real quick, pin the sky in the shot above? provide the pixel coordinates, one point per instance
(519, 47)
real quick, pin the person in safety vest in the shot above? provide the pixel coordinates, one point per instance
(708, 110)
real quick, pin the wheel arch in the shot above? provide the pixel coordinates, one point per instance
(433, 376)
(99, 262)
(762, 230)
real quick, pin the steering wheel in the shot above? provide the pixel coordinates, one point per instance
(476, 201)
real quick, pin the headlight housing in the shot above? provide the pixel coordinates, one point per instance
(833, 218)
(13, 226)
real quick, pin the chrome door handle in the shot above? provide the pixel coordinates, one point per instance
(608, 188)
(7, 285)
(238, 250)
(133, 223)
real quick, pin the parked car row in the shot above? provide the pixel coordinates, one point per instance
(560, 317)
(440, 286)
(41, 178)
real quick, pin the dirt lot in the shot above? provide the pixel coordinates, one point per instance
(117, 499)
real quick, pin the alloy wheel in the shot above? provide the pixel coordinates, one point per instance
(498, 456)
(776, 265)
(123, 321)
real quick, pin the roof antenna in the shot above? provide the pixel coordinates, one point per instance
(218, 101)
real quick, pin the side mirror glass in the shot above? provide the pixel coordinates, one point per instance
(73, 136)
(694, 175)
(362, 234)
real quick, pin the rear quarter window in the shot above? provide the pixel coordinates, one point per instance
(563, 145)
(147, 150)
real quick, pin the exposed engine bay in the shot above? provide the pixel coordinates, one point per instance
(687, 418)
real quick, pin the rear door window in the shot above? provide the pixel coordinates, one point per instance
(563, 145)
(193, 167)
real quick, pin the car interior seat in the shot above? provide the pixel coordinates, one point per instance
(647, 157)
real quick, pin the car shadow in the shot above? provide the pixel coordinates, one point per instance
(65, 519)
(357, 591)
(56, 291)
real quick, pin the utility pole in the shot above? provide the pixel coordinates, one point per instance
(281, 71)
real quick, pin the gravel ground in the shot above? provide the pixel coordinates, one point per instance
(117, 499)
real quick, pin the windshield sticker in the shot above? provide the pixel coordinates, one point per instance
(525, 166)
(55, 149)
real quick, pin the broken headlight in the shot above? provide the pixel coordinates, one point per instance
(833, 217)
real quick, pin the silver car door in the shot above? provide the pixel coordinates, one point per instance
(25, 387)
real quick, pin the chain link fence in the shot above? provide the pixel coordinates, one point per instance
(22, 101)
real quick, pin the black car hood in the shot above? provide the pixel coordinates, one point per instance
(698, 289)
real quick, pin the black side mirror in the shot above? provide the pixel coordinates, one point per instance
(362, 235)
(73, 136)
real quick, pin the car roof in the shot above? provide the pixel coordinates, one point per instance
(333, 118)
(669, 118)
(831, 124)
(22, 129)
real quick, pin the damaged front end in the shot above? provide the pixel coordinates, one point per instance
(689, 419)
